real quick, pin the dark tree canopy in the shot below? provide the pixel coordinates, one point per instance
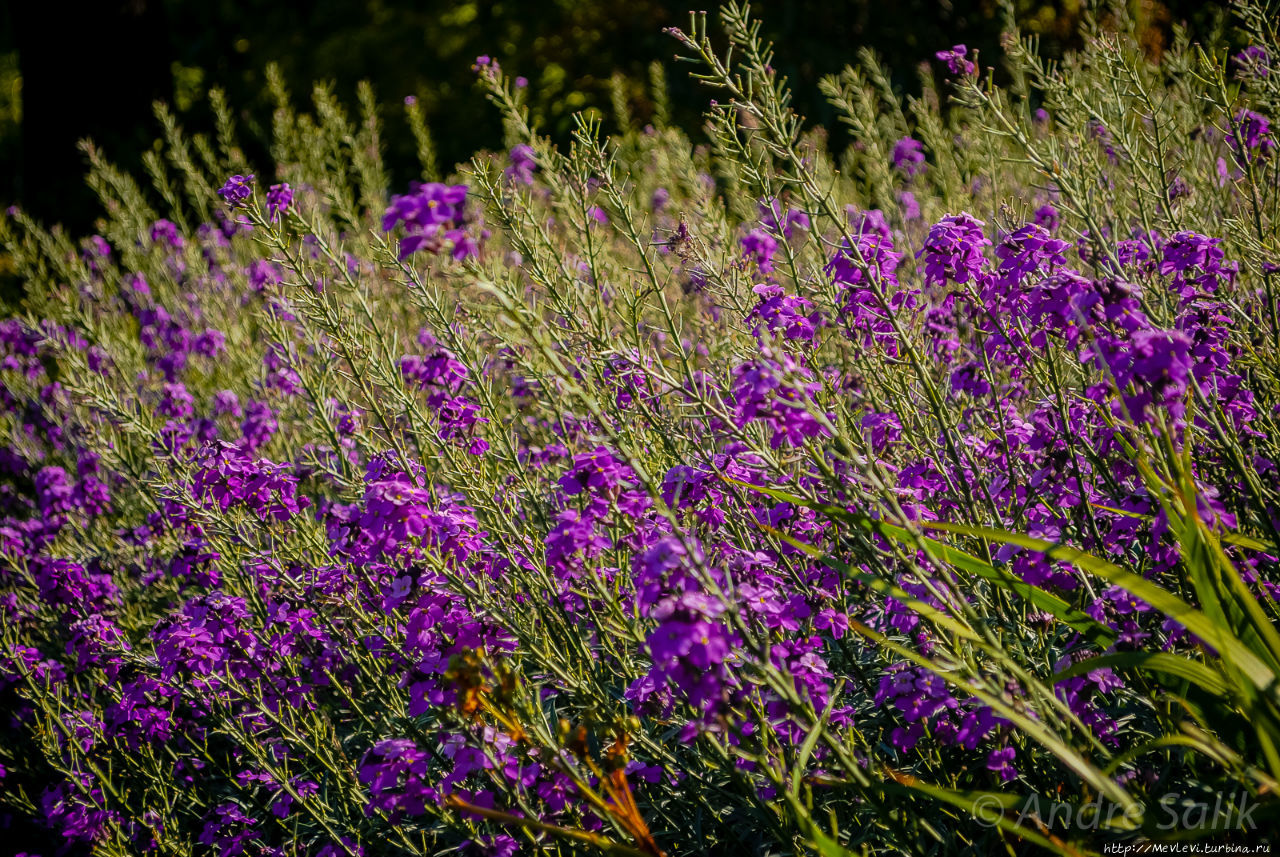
(95, 73)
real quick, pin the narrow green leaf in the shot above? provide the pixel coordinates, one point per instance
(990, 809)
(1097, 633)
(1196, 673)
(1260, 676)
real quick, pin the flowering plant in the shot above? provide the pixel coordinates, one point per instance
(646, 497)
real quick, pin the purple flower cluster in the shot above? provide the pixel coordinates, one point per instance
(1251, 138)
(279, 198)
(953, 251)
(523, 164)
(236, 191)
(866, 269)
(908, 157)
(442, 376)
(780, 220)
(228, 478)
(779, 394)
(1253, 61)
(758, 247)
(435, 219)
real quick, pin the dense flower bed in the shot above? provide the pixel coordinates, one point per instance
(646, 497)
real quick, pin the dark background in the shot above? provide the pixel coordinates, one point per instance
(70, 70)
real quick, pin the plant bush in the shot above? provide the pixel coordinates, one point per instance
(649, 497)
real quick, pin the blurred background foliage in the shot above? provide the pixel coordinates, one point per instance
(93, 68)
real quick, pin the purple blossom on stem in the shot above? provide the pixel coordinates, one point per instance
(778, 394)
(279, 198)
(523, 164)
(236, 191)
(395, 773)
(1253, 61)
(955, 60)
(1251, 137)
(780, 220)
(786, 315)
(434, 217)
(908, 156)
(954, 250)
(759, 246)
(866, 269)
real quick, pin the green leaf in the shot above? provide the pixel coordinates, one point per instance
(1097, 633)
(990, 809)
(1239, 656)
(1163, 662)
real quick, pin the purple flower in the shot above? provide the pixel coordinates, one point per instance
(1160, 358)
(523, 164)
(955, 60)
(97, 246)
(573, 535)
(227, 477)
(259, 425)
(176, 402)
(434, 218)
(74, 811)
(780, 220)
(908, 156)
(954, 250)
(866, 269)
(166, 232)
(759, 246)
(1155, 368)
(882, 429)
(779, 394)
(396, 512)
(969, 378)
(687, 639)
(1196, 264)
(689, 650)
(279, 198)
(438, 372)
(262, 274)
(787, 315)
(917, 693)
(237, 191)
(395, 773)
(497, 845)
(82, 591)
(910, 208)
(1000, 762)
(227, 402)
(1251, 137)
(596, 473)
(1029, 250)
(869, 222)
(211, 343)
(1253, 61)
(1188, 251)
